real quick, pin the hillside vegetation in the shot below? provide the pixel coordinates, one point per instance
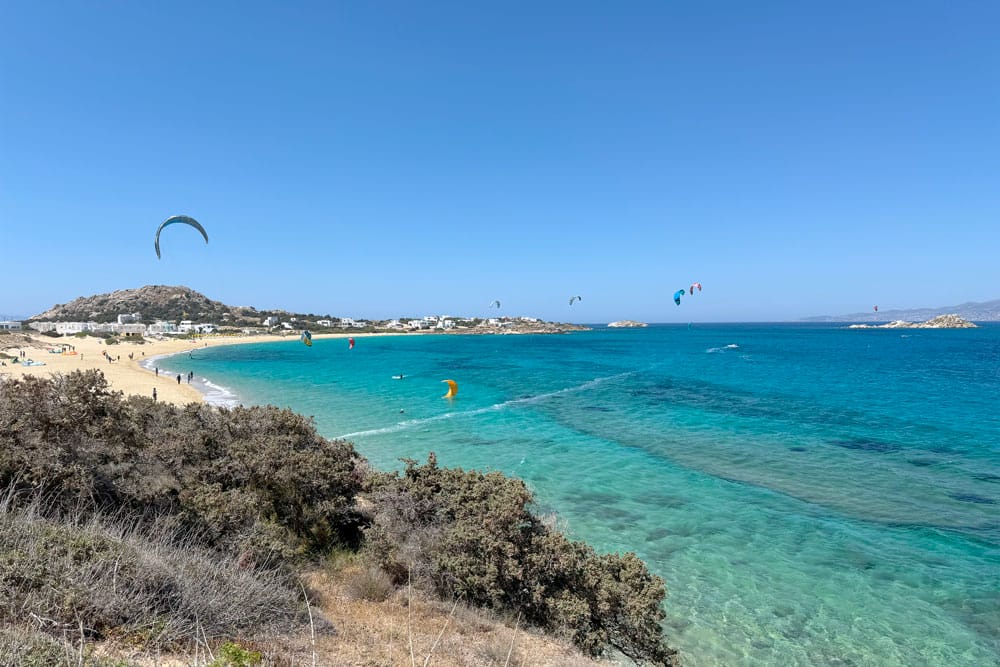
(131, 523)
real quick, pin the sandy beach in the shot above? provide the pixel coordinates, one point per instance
(124, 373)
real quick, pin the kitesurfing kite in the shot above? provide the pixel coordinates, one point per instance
(693, 285)
(574, 298)
(350, 343)
(176, 219)
(452, 388)
(876, 309)
(306, 337)
(677, 296)
(495, 303)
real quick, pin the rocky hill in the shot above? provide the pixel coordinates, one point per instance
(153, 302)
(982, 311)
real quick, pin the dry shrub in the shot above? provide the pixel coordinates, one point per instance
(26, 647)
(369, 583)
(146, 586)
(495, 653)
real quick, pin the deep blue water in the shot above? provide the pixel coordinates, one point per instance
(812, 495)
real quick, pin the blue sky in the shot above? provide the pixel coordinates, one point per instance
(384, 159)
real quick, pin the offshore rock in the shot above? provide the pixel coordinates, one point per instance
(626, 324)
(951, 321)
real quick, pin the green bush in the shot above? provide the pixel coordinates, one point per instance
(232, 654)
(258, 482)
(472, 535)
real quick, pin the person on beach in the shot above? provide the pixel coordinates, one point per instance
(154, 393)
(157, 371)
(178, 378)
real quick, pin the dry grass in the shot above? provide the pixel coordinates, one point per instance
(371, 634)
(84, 579)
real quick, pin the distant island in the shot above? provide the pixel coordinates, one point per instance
(950, 321)
(983, 311)
(626, 324)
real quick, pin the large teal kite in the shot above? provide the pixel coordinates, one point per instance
(173, 220)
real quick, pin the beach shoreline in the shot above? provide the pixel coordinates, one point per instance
(137, 375)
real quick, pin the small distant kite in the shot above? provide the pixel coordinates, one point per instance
(174, 219)
(495, 304)
(677, 296)
(876, 309)
(693, 285)
(306, 338)
(350, 343)
(452, 388)
(573, 299)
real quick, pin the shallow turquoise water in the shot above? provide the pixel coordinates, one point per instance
(811, 495)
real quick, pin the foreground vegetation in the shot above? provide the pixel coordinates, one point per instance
(140, 524)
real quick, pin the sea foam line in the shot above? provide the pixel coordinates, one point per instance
(214, 394)
(528, 400)
(731, 346)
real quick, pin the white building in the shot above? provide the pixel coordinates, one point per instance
(129, 318)
(10, 325)
(325, 323)
(162, 327)
(43, 326)
(271, 321)
(134, 329)
(70, 328)
(188, 326)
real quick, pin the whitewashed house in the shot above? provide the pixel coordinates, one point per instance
(162, 327)
(70, 328)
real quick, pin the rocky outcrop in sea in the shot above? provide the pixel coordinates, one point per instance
(626, 324)
(951, 321)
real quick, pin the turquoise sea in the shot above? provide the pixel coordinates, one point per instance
(812, 495)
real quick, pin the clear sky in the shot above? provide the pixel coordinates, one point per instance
(377, 159)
